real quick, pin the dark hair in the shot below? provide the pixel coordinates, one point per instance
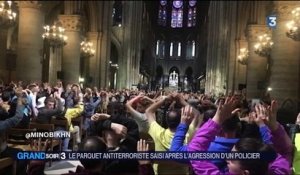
(76, 100)
(254, 145)
(92, 144)
(173, 118)
(50, 99)
(209, 114)
(231, 124)
(6, 96)
(250, 130)
(145, 103)
(115, 108)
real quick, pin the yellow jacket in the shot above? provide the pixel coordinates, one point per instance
(296, 161)
(73, 113)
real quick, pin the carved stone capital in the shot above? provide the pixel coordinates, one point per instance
(29, 4)
(71, 22)
(253, 31)
(284, 8)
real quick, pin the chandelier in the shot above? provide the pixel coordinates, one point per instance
(55, 35)
(294, 25)
(243, 56)
(87, 49)
(263, 46)
(7, 15)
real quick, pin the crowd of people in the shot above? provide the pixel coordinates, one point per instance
(138, 120)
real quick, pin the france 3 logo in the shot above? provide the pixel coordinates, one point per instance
(272, 21)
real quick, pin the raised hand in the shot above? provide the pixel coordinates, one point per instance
(187, 115)
(260, 116)
(272, 120)
(224, 111)
(261, 112)
(142, 146)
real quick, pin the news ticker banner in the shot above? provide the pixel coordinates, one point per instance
(27, 155)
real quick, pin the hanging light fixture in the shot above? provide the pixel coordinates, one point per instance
(263, 46)
(243, 56)
(87, 49)
(7, 15)
(55, 35)
(294, 25)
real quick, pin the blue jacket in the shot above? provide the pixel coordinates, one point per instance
(13, 121)
(219, 144)
(205, 135)
(90, 106)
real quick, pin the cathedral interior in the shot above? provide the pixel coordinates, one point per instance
(164, 76)
(206, 46)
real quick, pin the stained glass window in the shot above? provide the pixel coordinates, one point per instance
(179, 49)
(190, 49)
(162, 48)
(117, 14)
(192, 13)
(157, 48)
(171, 49)
(193, 48)
(177, 14)
(162, 13)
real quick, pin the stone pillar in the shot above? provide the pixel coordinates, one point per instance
(30, 42)
(93, 62)
(241, 73)
(3, 63)
(55, 61)
(71, 51)
(285, 54)
(105, 40)
(139, 39)
(257, 65)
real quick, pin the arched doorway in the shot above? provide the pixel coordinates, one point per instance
(188, 79)
(159, 77)
(113, 67)
(174, 77)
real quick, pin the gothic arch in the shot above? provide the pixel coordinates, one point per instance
(287, 112)
(93, 8)
(174, 68)
(51, 15)
(189, 72)
(159, 71)
(114, 55)
(118, 45)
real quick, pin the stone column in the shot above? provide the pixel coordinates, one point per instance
(71, 51)
(3, 48)
(284, 79)
(94, 73)
(30, 42)
(105, 40)
(257, 65)
(52, 59)
(241, 73)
